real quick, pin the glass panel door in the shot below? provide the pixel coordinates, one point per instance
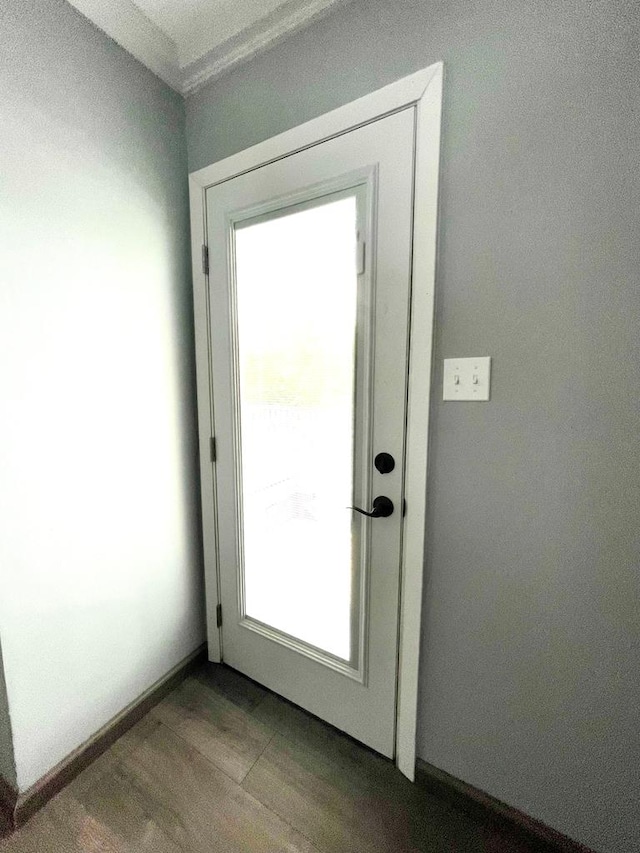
(296, 348)
(307, 314)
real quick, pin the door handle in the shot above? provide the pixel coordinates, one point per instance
(382, 508)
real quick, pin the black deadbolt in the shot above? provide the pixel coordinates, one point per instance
(385, 463)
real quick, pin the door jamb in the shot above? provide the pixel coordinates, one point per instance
(423, 90)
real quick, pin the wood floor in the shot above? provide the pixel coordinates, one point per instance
(223, 765)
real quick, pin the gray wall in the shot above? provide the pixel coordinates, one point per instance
(529, 673)
(100, 566)
(7, 764)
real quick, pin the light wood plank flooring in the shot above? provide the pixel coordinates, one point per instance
(223, 765)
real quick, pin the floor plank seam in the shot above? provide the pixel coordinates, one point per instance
(314, 844)
(264, 749)
(180, 842)
(201, 754)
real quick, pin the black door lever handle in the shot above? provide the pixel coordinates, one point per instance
(382, 508)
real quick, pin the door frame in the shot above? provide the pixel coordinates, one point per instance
(423, 91)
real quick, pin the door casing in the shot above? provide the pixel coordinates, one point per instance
(423, 90)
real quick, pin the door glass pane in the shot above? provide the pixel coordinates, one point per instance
(296, 284)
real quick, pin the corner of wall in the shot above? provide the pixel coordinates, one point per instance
(7, 760)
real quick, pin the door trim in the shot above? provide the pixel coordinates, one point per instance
(422, 90)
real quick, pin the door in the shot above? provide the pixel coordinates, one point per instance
(309, 290)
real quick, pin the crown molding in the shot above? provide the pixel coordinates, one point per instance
(289, 18)
(127, 25)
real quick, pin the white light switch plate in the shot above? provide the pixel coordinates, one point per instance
(467, 378)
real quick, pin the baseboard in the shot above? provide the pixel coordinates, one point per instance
(8, 800)
(22, 806)
(488, 809)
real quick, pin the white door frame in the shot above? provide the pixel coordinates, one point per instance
(422, 90)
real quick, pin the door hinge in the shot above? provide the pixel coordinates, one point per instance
(205, 260)
(212, 448)
(219, 615)
(360, 256)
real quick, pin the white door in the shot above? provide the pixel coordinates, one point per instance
(309, 304)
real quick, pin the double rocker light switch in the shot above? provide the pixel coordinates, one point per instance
(467, 378)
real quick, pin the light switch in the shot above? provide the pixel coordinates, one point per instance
(467, 378)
